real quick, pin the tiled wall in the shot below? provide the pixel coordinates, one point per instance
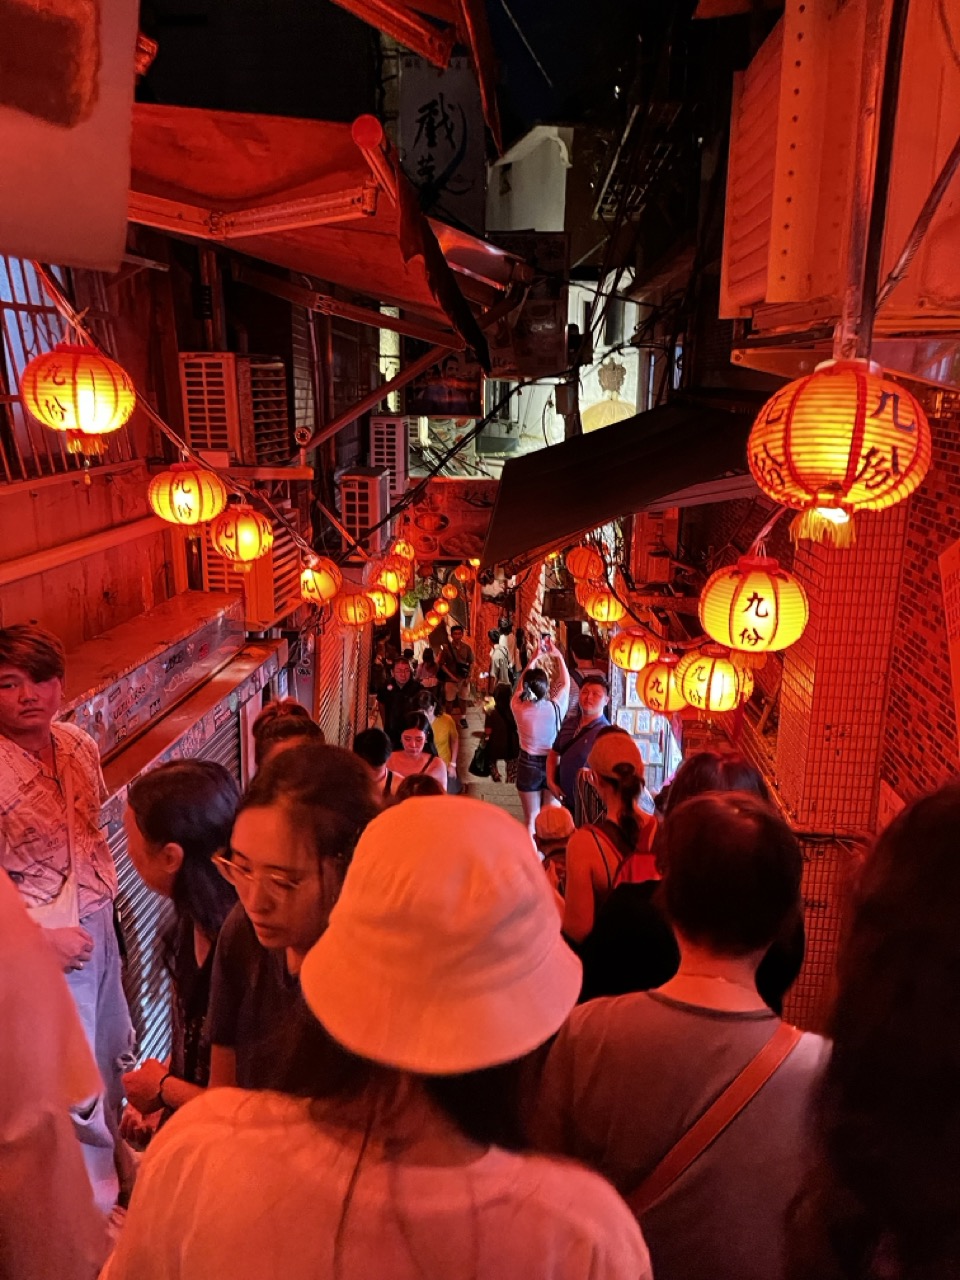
(920, 747)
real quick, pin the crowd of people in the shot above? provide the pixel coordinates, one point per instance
(411, 1041)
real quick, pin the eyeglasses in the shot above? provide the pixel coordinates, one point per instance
(278, 884)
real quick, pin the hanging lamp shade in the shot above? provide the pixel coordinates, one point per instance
(441, 606)
(710, 681)
(603, 606)
(241, 535)
(841, 440)
(393, 574)
(463, 573)
(606, 412)
(320, 580)
(658, 687)
(78, 390)
(354, 608)
(449, 592)
(585, 563)
(633, 649)
(754, 605)
(385, 604)
(404, 548)
(186, 494)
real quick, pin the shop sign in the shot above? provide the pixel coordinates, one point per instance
(442, 143)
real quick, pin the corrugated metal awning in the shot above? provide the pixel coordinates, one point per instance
(548, 499)
(327, 200)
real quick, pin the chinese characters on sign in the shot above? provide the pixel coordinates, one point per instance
(441, 133)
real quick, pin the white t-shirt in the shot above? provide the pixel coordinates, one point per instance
(248, 1185)
(49, 1226)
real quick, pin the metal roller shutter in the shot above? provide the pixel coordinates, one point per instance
(145, 917)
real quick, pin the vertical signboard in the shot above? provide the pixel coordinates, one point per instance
(441, 137)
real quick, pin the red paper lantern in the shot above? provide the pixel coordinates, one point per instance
(320, 581)
(432, 619)
(754, 605)
(450, 592)
(385, 604)
(710, 681)
(354, 608)
(80, 391)
(603, 606)
(633, 649)
(463, 573)
(393, 574)
(403, 548)
(842, 439)
(442, 607)
(658, 688)
(241, 535)
(586, 562)
(187, 494)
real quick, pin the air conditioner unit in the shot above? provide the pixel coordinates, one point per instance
(270, 587)
(390, 448)
(364, 501)
(236, 408)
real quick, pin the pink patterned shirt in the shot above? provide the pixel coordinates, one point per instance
(33, 821)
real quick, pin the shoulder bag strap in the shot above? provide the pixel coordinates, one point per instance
(611, 879)
(721, 1113)
(64, 769)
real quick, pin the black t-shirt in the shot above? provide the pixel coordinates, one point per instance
(397, 701)
(190, 1050)
(632, 948)
(257, 1008)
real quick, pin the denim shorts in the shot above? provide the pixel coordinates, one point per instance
(531, 772)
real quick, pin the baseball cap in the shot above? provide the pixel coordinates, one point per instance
(612, 749)
(442, 956)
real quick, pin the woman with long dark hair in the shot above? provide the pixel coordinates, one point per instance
(882, 1202)
(500, 735)
(291, 844)
(599, 855)
(417, 754)
(178, 818)
(442, 969)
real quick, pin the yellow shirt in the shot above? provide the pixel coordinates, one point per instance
(446, 737)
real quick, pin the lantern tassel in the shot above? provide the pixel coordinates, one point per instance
(812, 526)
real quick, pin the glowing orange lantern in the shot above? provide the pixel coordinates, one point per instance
(463, 573)
(450, 592)
(432, 619)
(354, 608)
(586, 562)
(320, 581)
(603, 606)
(658, 688)
(710, 681)
(584, 590)
(393, 574)
(187, 494)
(80, 391)
(442, 607)
(842, 439)
(241, 535)
(754, 605)
(401, 547)
(407, 635)
(384, 603)
(633, 649)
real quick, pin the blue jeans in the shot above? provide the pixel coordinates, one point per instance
(97, 992)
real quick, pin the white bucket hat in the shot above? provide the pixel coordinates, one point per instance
(443, 953)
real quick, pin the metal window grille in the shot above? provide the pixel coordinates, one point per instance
(30, 324)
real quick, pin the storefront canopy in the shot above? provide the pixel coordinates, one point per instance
(678, 453)
(431, 28)
(327, 200)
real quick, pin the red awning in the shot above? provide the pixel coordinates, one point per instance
(431, 28)
(327, 200)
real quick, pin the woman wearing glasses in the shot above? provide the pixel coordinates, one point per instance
(178, 818)
(291, 844)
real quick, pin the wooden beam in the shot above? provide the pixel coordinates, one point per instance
(69, 552)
